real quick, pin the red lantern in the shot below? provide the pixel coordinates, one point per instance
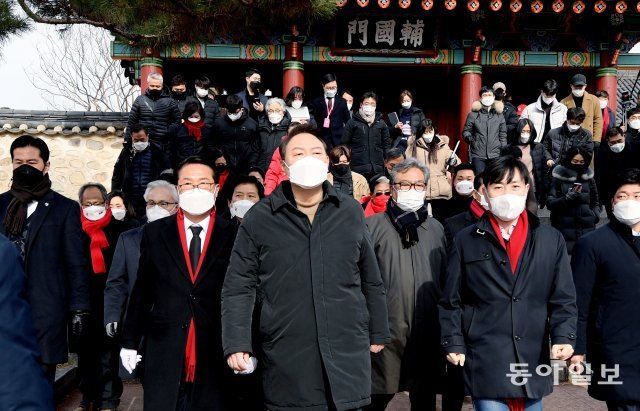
(383, 4)
(450, 4)
(621, 6)
(427, 4)
(495, 5)
(600, 6)
(515, 6)
(578, 7)
(537, 6)
(341, 3)
(473, 5)
(362, 3)
(404, 3)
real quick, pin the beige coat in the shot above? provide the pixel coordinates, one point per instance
(439, 185)
(360, 185)
(593, 114)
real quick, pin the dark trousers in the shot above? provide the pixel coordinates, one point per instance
(623, 405)
(422, 397)
(185, 393)
(453, 390)
(479, 164)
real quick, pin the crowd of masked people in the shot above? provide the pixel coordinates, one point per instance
(290, 254)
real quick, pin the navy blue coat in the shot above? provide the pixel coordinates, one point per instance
(340, 114)
(24, 386)
(57, 282)
(606, 272)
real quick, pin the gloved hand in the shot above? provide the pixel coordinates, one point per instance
(572, 195)
(112, 329)
(80, 323)
(130, 359)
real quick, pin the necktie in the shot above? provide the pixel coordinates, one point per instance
(329, 106)
(194, 247)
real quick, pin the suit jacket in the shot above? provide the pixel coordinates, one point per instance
(24, 386)
(339, 116)
(162, 303)
(57, 282)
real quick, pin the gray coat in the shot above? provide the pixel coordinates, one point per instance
(411, 277)
(485, 131)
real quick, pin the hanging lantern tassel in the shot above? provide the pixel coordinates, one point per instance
(480, 42)
(620, 43)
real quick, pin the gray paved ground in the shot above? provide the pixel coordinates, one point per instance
(565, 397)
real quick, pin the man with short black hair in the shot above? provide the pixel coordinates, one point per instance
(45, 228)
(632, 135)
(252, 99)
(589, 103)
(571, 134)
(210, 105)
(179, 92)
(547, 112)
(392, 157)
(330, 111)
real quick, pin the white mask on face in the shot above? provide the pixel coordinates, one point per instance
(240, 208)
(156, 213)
(296, 104)
(410, 200)
(349, 105)
(234, 116)
(487, 101)
(196, 201)
(617, 148)
(194, 119)
(308, 172)
(118, 213)
(428, 137)
(507, 207)
(406, 105)
(464, 187)
(369, 110)
(140, 145)
(524, 138)
(94, 213)
(627, 212)
(330, 93)
(573, 127)
(603, 104)
(577, 92)
(634, 124)
(275, 118)
(202, 93)
(483, 202)
(548, 100)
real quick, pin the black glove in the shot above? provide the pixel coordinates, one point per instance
(80, 323)
(572, 195)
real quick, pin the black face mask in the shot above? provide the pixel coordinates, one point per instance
(155, 93)
(220, 168)
(254, 85)
(578, 168)
(27, 176)
(179, 95)
(341, 169)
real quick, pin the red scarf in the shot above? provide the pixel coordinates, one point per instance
(376, 205)
(476, 209)
(195, 129)
(222, 178)
(605, 121)
(95, 231)
(190, 349)
(516, 242)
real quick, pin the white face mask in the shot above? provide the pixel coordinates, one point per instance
(308, 172)
(573, 127)
(202, 93)
(548, 100)
(140, 145)
(410, 200)
(487, 101)
(330, 93)
(524, 137)
(196, 201)
(483, 202)
(240, 208)
(507, 207)
(369, 110)
(627, 212)
(194, 119)
(118, 213)
(349, 105)
(234, 116)
(577, 92)
(156, 213)
(406, 105)
(617, 148)
(464, 187)
(428, 137)
(275, 118)
(296, 104)
(94, 213)
(603, 104)
(634, 124)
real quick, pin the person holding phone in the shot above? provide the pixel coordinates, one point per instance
(573, 197)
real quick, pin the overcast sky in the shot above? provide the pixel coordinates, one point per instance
(18, 55)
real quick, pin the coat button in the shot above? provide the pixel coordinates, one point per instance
(516, 299)
(184, 326)
(517, 338)
(572, 335)
(485, 255)
(503, 262)
(193, 297)
(445, 342)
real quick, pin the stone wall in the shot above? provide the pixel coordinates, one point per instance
(75, 159)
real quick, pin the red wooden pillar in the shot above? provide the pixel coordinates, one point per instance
(607, 79)
(149, 65)
(292, 75)
(470, 85)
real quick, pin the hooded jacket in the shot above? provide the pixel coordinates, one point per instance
(237, 140)
(269, 138)
(485, 130)
(368, 144)
(157, 114)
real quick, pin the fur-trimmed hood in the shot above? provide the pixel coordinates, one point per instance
(498, 106)
(563, 173)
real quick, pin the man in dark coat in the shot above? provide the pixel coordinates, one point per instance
(559, 140)
(510, 112)
(24, 385)
(138, 163)
(476, 209)
(411, 253)
(179, 92)
(508, 292)
(236, 136)
(330, 111)
(632, 135)
(304, 259)
(45, 228)
(606, 264)
(269, 133)
(252, 99)
(156, 111)
(175, 302)
(209, 105)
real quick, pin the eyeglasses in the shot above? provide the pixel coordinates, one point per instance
(163, 204)
(274, 111)
(102, 204)
(386, 193)
(406, 186)
(200, 186)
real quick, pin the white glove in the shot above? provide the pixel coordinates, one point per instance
(406, 129)
(253, 363)
(130, 359)
(112, 329)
